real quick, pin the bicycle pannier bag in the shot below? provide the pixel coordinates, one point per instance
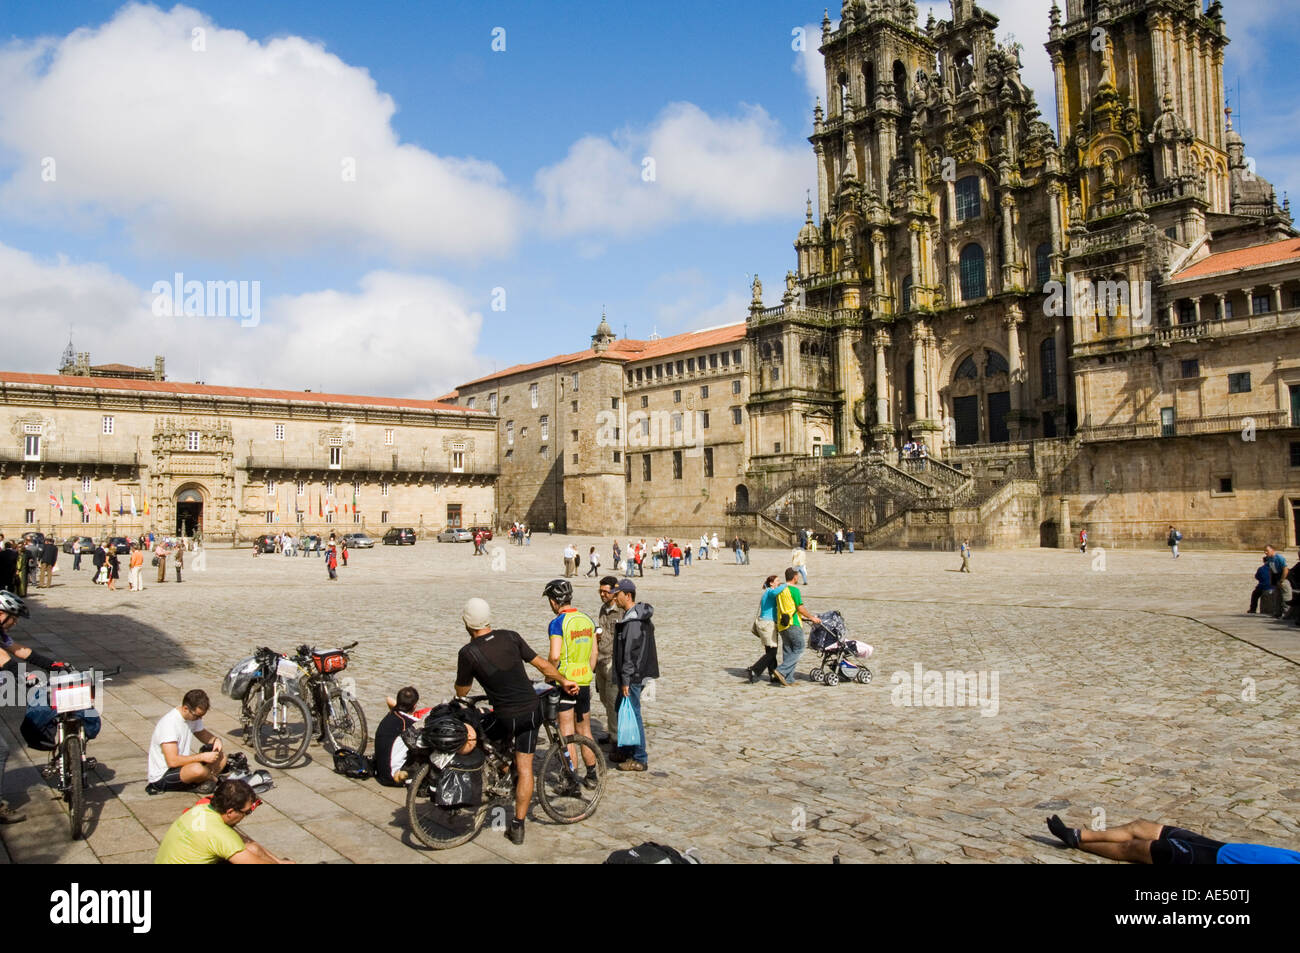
(328, 663)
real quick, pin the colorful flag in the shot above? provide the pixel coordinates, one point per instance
(133, 512)
(60, 503)
(98, 508)
(76, 501)
(54, 501)
(146, 506)
(320, 506)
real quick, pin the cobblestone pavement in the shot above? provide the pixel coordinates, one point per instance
(1107, 700)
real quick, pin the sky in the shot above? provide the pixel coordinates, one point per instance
(410, 195)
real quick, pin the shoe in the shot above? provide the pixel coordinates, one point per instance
(632, 765)
(207, 787)
(515, 832)
(591, 780)
(152, 789)
(617, 758)
(9, 816)
(753, 675)
(780, 679)
(604, 740)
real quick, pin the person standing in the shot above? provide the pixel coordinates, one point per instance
(713, 543)
(675, 554)
(618, 556)
(593, 561)
(343, 548)
(332, 562)
(839, 541)
(76, 555)
(765, 628)
(850, 537)
(114, 567)
(49, 556)
(790, 611)
(635, 660)
(97, 561)
(1083, 541)
(20, 573)
(135, 572)
(573, 653)
(606, 682)
(9, 567)
(160, 555)
(180, 560)
(1173, 539)
(797, 562)
(568, 559)
(965, 555)
(744, 550)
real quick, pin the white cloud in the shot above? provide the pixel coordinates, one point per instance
(810, 64)
(687, 165)
(359, 342)
(239, 146)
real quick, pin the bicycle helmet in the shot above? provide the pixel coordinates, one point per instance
(446, 734)
(13, 605)
(561, 590)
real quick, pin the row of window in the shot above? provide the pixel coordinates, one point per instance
(1259, 304)
(109, 425)
(685, 366)
(678, 465)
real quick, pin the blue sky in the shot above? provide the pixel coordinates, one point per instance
(475, 170)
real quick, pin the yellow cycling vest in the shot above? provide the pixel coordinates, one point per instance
(577, 635)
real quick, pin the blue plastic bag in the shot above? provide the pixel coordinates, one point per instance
(629, 727)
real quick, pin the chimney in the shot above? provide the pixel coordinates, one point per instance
(158, 373)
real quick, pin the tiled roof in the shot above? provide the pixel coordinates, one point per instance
(180, 389)
(1251, 257)
(622, 349)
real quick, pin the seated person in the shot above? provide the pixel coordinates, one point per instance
(205, 833)
(390, 749)
(1263, 583)
(176, 763)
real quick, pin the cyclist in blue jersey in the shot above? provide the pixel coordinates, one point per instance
(1146, 842)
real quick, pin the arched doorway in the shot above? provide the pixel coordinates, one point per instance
(979, 395)
(742, 498)
(189, 511)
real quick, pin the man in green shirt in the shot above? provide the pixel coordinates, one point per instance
(205, 834)
(792, 640)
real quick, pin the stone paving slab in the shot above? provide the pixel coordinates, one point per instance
(1136, 690)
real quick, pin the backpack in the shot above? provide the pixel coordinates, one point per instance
(785, 610)
(350, 764)
(652, 853)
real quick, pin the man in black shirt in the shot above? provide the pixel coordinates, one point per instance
(496, 659)
(390, 750)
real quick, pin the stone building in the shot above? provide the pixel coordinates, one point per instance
(1080, 329)
(232, 462)
(625, 436)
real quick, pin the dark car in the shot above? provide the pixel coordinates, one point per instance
(264, 544)
(120, 544)
(359, 541)
(34, 537)
(87, 544)
(400, 537)
(486, 531)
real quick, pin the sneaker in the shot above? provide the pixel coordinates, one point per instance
(9, 816)
(207, 787)
(591, 780)
(752, 675)
(515, 832)
(632, 764)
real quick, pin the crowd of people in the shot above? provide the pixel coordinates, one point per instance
(664, 552)
(32, 563)
(1274, 593)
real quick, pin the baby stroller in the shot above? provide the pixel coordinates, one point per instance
(842, 657)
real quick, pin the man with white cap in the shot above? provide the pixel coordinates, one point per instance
(496, 658)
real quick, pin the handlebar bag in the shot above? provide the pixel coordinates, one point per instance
(327, 663)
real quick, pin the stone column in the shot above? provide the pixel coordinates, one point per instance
(1196, 308)
(877, 262)
(914, 236)
(1062, 373)
(1064, 120)
(919, 334)
(883, 431)
(1277, 298)
(1008, 243)
(1065, 532)
(1054, 209)
(1017, 373)
(823, 198)
(1219, 309)
(952, 205)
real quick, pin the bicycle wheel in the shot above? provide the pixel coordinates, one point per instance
(565, 798)
(75, 794)
(282, 731)
(436, 826)
(345, 726)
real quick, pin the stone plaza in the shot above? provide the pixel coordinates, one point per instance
(1119, 685)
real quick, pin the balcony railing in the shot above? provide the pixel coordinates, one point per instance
(370, 463)
(66, 456)
(1220, 423)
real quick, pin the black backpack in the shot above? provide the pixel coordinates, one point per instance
(651, 853)
(350, 764)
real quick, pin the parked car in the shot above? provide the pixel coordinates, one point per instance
(33, 537)
(359, 541)
(120, 544)
(450, 535)
(400, 537)
(87, 544)
(265, 544)
(485, 530)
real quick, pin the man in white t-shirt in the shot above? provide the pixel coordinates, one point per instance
(176, 760)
